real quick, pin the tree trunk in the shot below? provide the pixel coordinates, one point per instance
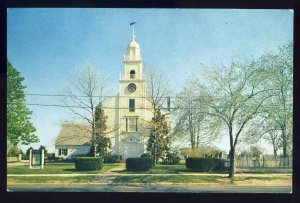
(95, 150)
(154, 157)
(284, 140)
(275, 153)
(284, 147)
(232, 163)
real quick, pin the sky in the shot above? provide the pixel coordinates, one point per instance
(49, 45)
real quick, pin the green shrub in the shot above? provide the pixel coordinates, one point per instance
(205, 164)
(138, 164)
(51, 157)
(171, 159)
(146, 156)
(112, 159)
(88, 163)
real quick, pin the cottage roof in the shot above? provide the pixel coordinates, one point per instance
(71, 134)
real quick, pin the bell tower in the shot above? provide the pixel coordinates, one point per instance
(131, 102)
(133, 62)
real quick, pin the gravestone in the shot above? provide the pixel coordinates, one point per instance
(36, 159)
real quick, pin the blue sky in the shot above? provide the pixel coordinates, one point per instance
(48, 45)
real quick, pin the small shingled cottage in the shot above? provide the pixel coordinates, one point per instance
(73, 140)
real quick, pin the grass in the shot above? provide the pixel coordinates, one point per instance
(208, 179)
(76, 179)
(147, 179)
(266, 170)
(168, 169)
(167, 179)
(57, 168)
(144, 177)
(160, 169)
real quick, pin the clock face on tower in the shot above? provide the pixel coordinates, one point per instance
(131, 87)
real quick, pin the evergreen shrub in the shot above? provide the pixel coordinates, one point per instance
(147, 156)
(88, 163)
(171, 159)
(205, 164)
(138, 164)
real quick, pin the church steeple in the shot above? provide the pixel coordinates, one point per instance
(133, 52)
(133, 60)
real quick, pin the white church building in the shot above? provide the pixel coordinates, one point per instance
(128, 115)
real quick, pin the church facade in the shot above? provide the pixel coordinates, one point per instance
(128, 113)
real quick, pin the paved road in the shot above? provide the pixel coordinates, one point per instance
(149, 188)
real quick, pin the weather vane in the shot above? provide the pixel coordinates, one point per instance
(132, 24)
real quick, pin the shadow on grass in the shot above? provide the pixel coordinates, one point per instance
(178, 171)
(70, 170)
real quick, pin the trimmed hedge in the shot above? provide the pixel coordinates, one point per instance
(138, 164)
(112, 159)
(205, 164)
(88, 163)
(146, 156)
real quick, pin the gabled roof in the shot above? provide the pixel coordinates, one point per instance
(71, 134)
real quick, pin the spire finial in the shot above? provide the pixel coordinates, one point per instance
(132, 24)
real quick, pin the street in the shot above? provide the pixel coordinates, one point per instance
(185, 188)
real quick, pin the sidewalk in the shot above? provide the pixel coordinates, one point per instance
(147, 174)
(148, 188)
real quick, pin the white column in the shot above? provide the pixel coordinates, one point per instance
(30, 159)
(42, 161)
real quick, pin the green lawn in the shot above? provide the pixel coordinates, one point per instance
(45, 179)
(168, 169)
(146, 179)
(168, 178)
(57, 168)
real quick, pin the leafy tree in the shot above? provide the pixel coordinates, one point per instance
(245, 153)
(202, 151)
(256, 151)
(275, 125)
(14, 151)
(45, 150)
(190, 122)
(19, 127)
(27, 153)
(232, 96)
(279, 107)
(159, 140)
(102, 142)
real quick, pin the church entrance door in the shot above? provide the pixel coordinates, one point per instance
(133, 147)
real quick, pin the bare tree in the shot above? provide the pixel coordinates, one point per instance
(158, 89)
(158, 94)
(86, 92)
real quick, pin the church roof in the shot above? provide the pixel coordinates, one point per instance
(133, 51)
(71, 134)
(133, 43)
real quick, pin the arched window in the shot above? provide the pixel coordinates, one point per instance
(132, 74)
